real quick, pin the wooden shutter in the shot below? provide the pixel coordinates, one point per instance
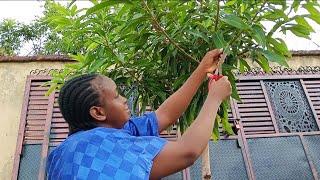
(59, 128)
(35, 118)
(253, 110)
(313, 91)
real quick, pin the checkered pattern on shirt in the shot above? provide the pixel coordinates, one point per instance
(104, 153)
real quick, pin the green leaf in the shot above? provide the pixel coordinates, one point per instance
(73, 10)
(199, 35)
(314, 13)
(280, 47)
(276, 14)
(132, 24)
(315, 18)
(230, 2)
(224, 119)
(73, 66)
(259, 35)
(52, 88)
(61, 21)
(243, 65)
(177, 83)
(105, 4)
(215, 134)
(299, 31)
(96, 65)
(273, 57)
(232, 79)
(227, 126)
(295, 5)
(234, 21)
(312, 10)
(218, 40)
(301, 21)
(79, 57)
(264, 63)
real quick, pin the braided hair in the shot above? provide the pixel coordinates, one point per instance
(76, 98)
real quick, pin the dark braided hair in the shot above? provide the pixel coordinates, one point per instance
(76, 98)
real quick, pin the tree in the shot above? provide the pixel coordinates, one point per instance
(41, 39)
(10, 37)
(154, 46)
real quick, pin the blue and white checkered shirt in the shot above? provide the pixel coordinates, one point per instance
(107, 153)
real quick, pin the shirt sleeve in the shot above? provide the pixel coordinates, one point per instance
(146, 125)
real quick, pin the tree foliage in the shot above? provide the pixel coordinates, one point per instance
(153, 46)
(37, 36)
(10, 37)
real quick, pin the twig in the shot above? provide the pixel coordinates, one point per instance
(316, 44)
(217, 16)
(262, 6)
(72, 2)
(166, 35)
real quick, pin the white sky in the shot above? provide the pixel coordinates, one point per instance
(27, 10)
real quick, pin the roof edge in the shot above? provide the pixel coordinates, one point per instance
(49, 58)
(306, 53)
(63, 58)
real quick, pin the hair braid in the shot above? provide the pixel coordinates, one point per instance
(75, 99)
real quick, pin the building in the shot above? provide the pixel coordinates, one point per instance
(266, 141)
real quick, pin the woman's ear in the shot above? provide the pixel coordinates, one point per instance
(98, 113)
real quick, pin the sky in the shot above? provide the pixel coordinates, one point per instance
(27, 10)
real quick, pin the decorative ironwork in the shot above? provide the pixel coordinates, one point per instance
(290, 106)
(279, 70)
(44, 72)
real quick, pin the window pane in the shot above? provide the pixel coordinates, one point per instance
(279, 158)
(226, 161)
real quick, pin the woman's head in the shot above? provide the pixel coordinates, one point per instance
(92, 100)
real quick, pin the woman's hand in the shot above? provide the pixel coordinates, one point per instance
(210, 61)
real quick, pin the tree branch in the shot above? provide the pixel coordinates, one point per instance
(262, 6)
(217, 16)
(166, 35)
(72, 2)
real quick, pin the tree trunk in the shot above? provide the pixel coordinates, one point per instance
(206, 172)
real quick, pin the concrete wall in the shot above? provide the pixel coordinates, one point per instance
(297, 61)
(12, 85)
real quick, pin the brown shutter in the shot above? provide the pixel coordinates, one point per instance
(253, 109)
(313, 91)
(35, 116)
(59, 127)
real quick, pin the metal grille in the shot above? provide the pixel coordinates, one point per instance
(226, 161)
(313, 144)
(30, 161)
(279, 158)
(195, 170)
(291, 107)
